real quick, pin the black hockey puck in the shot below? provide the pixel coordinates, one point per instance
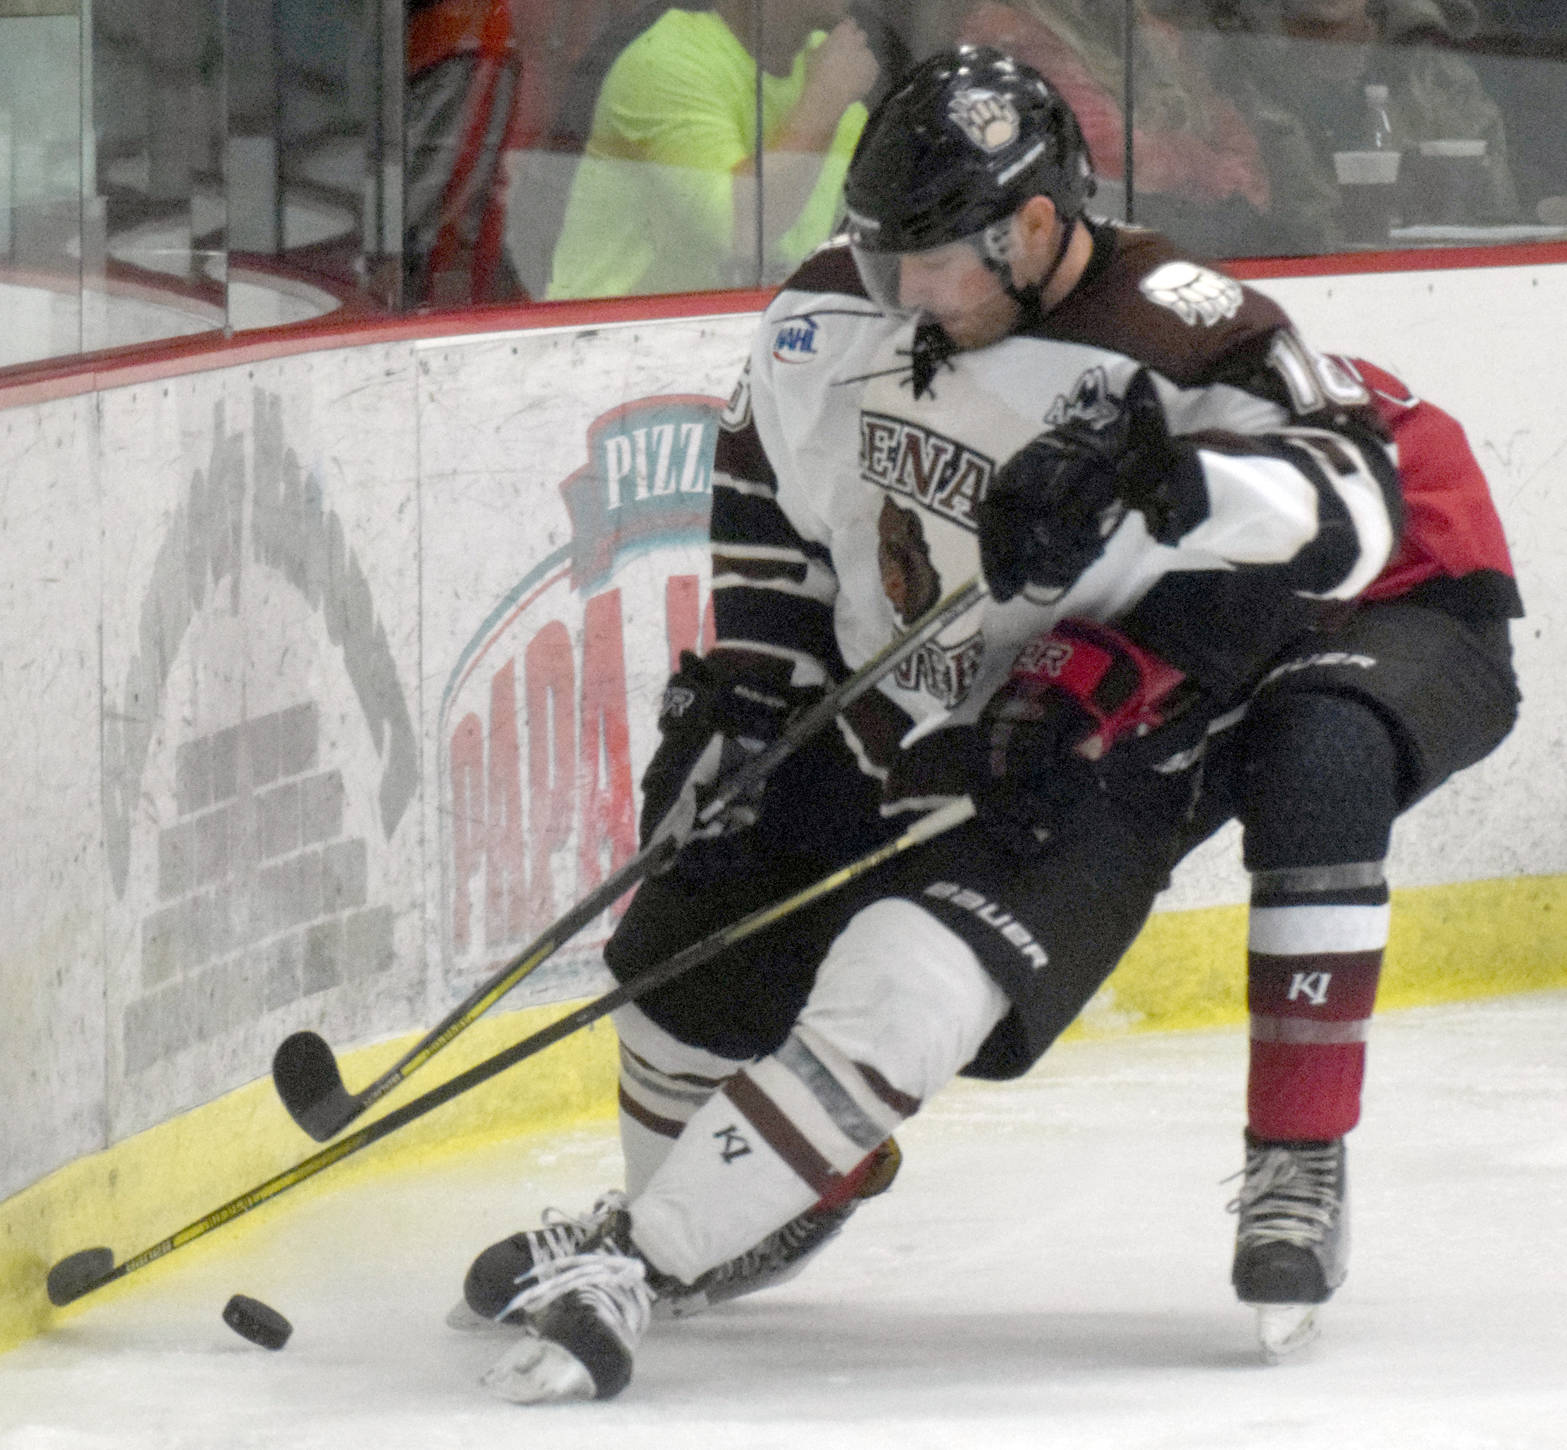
(259, 1323)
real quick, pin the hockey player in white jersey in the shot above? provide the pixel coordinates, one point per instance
(1163, 485)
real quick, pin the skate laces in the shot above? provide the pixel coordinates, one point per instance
(585, 1258)
(562, 1234)
(614, 1284)
(1291, 1192)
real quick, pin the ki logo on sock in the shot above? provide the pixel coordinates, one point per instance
(733, 1143)
(1313, 986)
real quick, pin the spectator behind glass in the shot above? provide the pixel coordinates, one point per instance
(458, 106)
(664, 196)
(1198, 173)
(1521, 58)
(1298, 70)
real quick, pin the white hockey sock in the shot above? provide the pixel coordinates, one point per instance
(899, 1006)
(722, 1188)
(663, 1081)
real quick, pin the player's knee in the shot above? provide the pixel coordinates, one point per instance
(902, 997)
(661, 1051)
(663, 1081)
(1321, 781)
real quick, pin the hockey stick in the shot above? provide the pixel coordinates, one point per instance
(88, 1269)
(305, 1070)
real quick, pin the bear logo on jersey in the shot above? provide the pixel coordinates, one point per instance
(907, 575)
(988, 120)
(1194, 294)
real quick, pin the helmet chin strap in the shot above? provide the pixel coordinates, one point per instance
(996, 253)
(1028, 296)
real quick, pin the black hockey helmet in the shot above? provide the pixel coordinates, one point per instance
(967, 137)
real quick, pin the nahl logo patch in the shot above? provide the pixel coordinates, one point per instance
(795, 341)
(678, 702)
(737, 411)
(1197, 295)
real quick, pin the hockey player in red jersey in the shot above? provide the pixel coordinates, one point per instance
(1117, 435)
(1351, 726)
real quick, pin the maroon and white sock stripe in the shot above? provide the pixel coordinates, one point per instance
(1314, 958)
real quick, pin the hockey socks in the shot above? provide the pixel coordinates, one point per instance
(1316, 940)
(899, 1005)
(779, 1137)
(663, 1081)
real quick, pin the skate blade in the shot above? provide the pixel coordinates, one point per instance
(688, 1303)
(461, 1318)
(681, 1305)
(1284, 1329)
(538, 1372)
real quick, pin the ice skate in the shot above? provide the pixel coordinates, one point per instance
(583, 1313)
(786, 1251)
(495, 1277)
(1292, 1241)
(777, 1259)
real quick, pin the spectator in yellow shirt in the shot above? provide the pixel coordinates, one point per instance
(665, 196)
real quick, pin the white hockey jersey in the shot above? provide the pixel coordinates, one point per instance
(852, 458)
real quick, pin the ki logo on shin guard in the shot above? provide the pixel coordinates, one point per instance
(732, 1143)
(1313, 986)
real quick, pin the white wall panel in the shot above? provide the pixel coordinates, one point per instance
(260, 652)
(51, 981)
(566, 480)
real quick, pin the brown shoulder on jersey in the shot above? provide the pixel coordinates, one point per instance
(828, 269)
(1225, 324)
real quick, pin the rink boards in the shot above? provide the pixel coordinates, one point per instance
(329, 676)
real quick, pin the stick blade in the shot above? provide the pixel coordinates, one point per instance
(76, 1273)
(306, 1076)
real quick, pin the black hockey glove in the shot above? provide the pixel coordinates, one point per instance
(712, 719)
(1076, 700)
(1051, 506)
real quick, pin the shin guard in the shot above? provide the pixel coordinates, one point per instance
(899, 1006)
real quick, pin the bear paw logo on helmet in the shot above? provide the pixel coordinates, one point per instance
(989, 120)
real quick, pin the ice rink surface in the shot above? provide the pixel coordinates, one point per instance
(1050, 1271)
